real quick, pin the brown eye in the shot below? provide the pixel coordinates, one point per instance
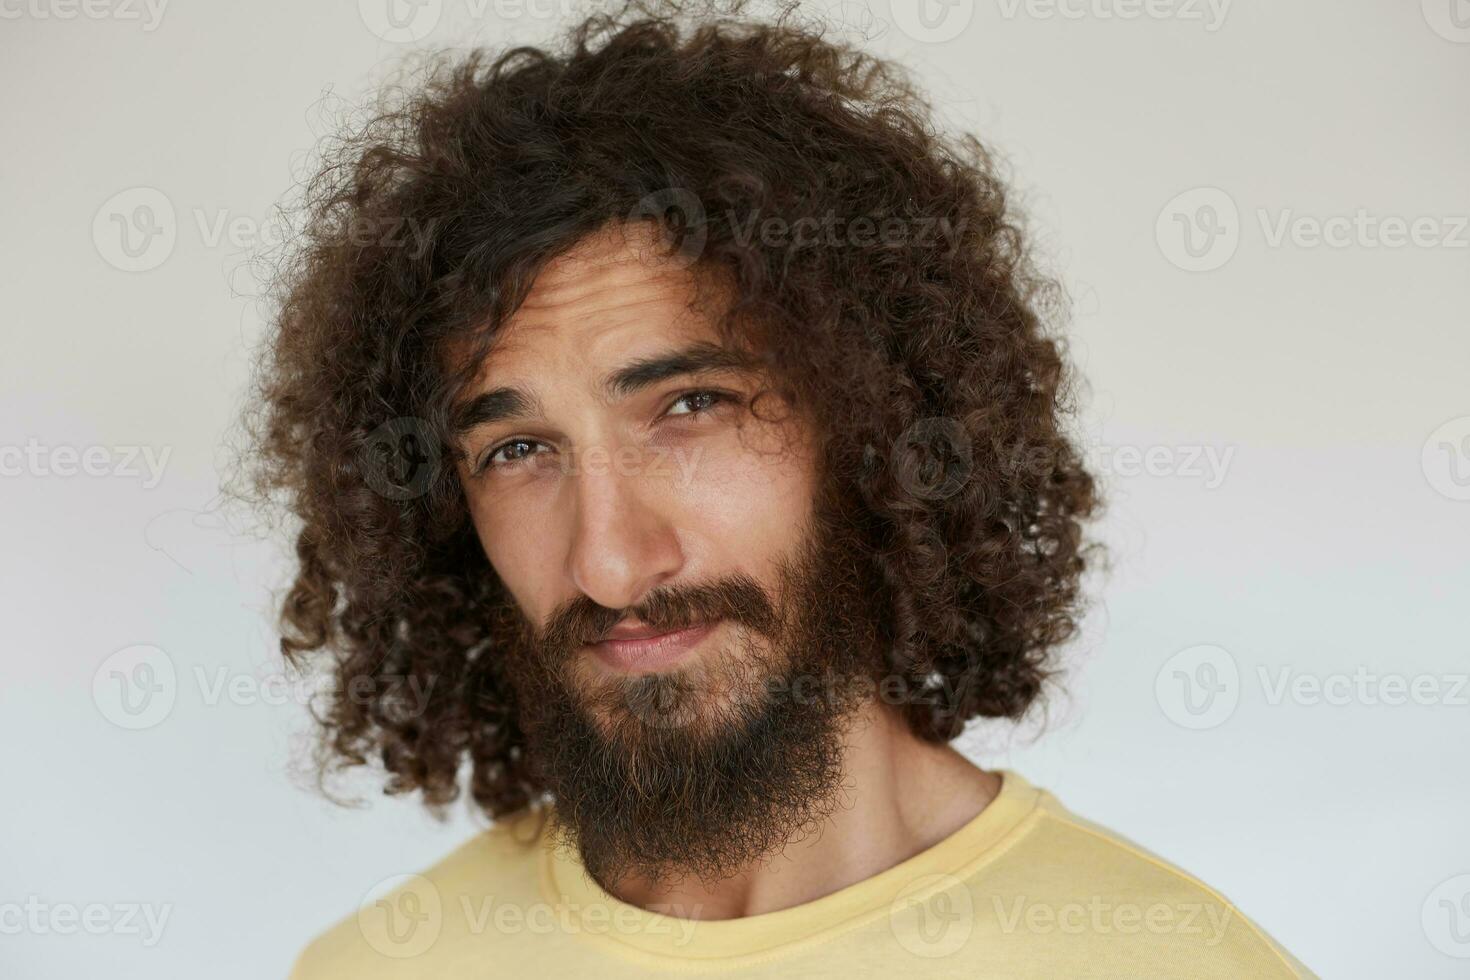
(698, 401)
(507, 454)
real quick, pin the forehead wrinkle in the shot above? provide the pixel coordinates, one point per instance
(601, 262)
(602, 288)
(583, 328)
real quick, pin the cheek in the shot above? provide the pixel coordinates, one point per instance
(747, 503)
(515, 543)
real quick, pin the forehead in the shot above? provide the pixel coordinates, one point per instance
(612, 297)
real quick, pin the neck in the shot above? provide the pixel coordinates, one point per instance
(900, 796)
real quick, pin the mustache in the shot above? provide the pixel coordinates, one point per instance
(581, 621)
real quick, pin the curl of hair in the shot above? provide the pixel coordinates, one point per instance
(916, 337)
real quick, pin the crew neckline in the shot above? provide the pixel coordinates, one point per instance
(602, 917)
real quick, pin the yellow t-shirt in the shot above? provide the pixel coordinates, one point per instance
(1025, 889)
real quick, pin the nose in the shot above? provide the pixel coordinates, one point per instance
(623, 541)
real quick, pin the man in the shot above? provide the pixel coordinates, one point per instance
(677, 446)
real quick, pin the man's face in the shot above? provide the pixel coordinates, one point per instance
(666, 561)
(617, 470)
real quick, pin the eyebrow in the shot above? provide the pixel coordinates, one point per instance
(493, 406)
(510, 403)
(693, 359)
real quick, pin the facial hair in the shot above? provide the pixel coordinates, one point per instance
(709, 767)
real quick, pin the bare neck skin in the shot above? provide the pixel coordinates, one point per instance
(900, 796)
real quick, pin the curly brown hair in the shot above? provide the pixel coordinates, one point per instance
(873, 261)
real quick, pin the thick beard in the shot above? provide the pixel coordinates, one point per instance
(707, 769)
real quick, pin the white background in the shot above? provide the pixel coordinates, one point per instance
(1330, 380)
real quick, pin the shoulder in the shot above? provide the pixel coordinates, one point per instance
(419, 916)
(1124, 903)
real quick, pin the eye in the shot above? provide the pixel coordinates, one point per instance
(507, 454)
(698, 401)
